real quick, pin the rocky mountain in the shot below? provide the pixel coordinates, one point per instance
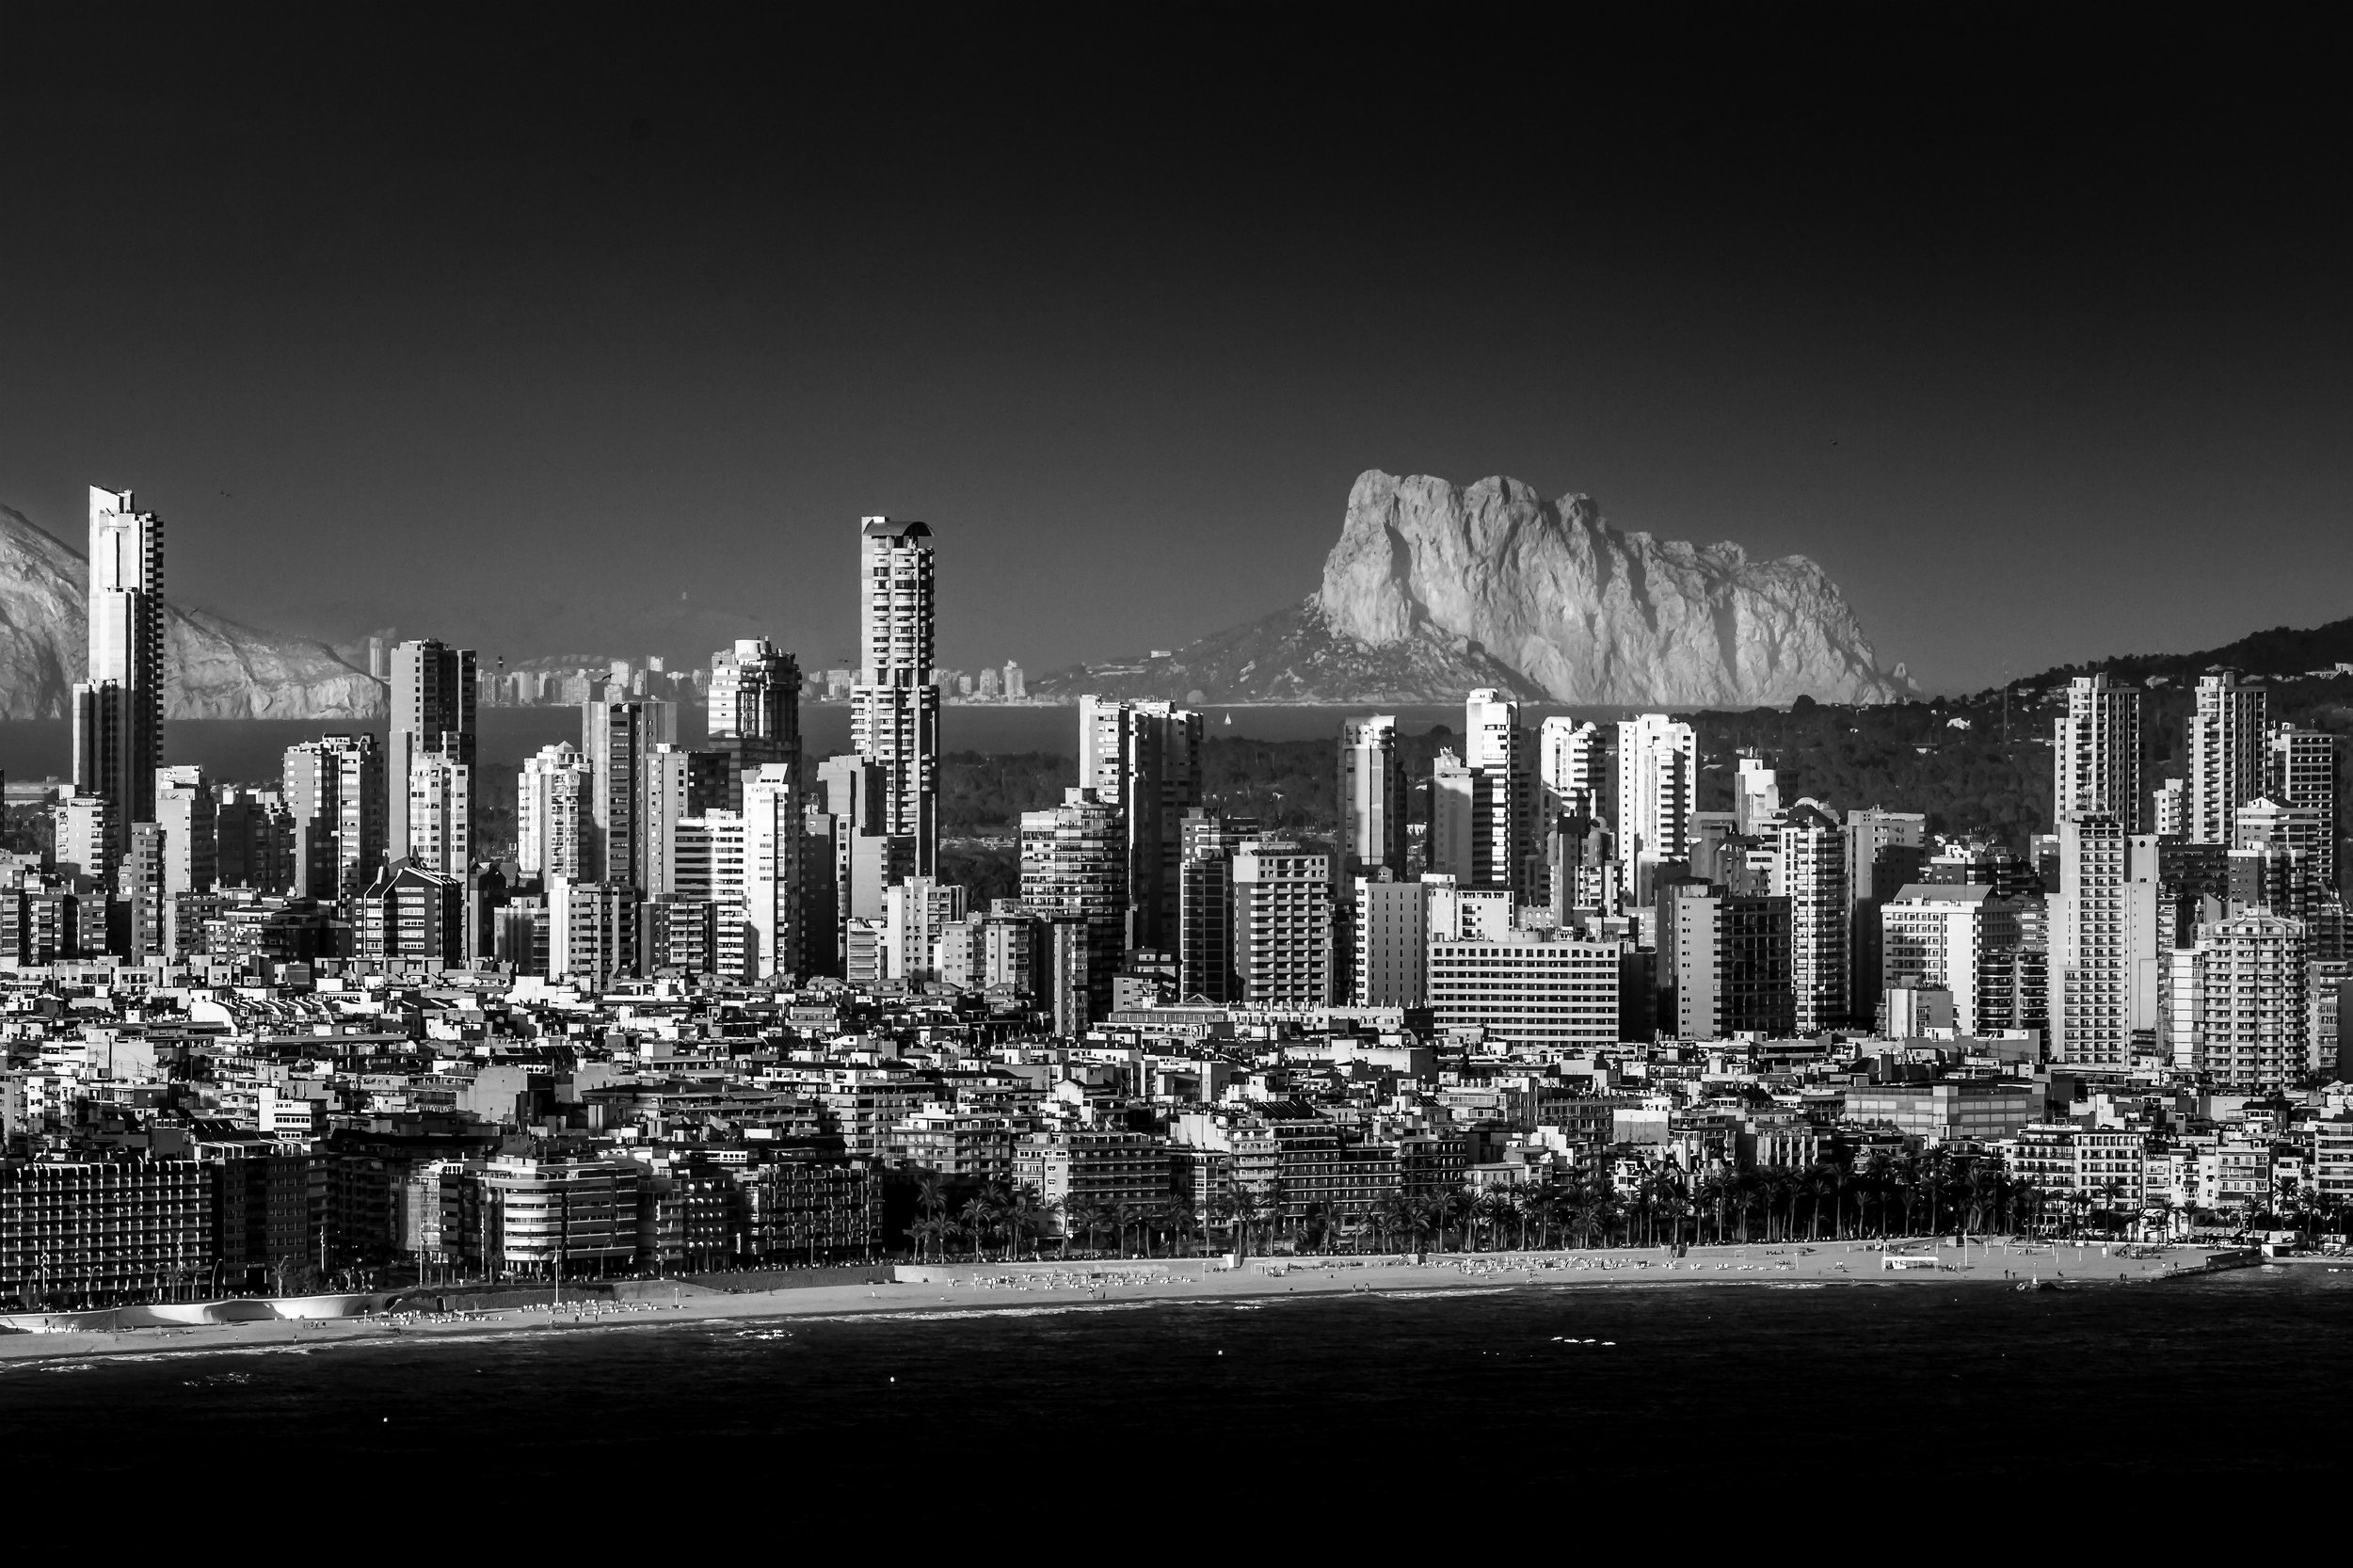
(1433, 589)
(214, 668)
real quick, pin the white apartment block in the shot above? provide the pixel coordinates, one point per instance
(2226, 755)
(1529, 989)
(2239, 1010)
(1658, 768)
(1940, 934)
(1810, 871)
(2096, 751)
(2092, 948)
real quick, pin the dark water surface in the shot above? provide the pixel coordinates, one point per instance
(1844, 1386)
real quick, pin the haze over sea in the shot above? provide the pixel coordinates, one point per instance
(251, 750)
(1824, 1389)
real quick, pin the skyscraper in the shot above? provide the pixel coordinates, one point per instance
(431, 688)
(1573, 768)
(1145, 758)
(118, 707)
(2096, 752)
(334, 789)
(2089, 1016)
(1884, 851)
(1506, 849)
(1756, 801)
(552, 822)
(1657, 766)
(1282, 936)
(2300, 769)
(755, 712)
(437, 814)
(619, 740)
(894, 708)
(1810, 871)
(1375, 806)
(771, 869)
(1074, 867)
(2226, 754)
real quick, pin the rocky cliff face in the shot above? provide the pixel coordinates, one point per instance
(214, 667)
(1434, 589)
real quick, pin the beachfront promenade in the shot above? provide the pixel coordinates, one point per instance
(988, 1286)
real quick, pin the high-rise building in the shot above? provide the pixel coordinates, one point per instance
(1657, 767)
(431, 688)
(2226, 754)
(1963, 940)
(553, 826)
(619, 740)
(681, 784)
(1884, 851)
(1283, 948)
(253, 840)
(755, 712)
(2237, 1005)
(436, 811)
(773, 834)
(1731, 965)
(1810, 871)
(1074, 867)
(894, 706)
(118, 708)
(707, 867)
(334, 790)
(1530, 990)
(2091, 1015)
(1145, 758)
(1506, 848)
(1573, 768)
(2300, 770)
(185, 811)
(1208, 841)
(2169, 809)
(1756, 800)
(2096, 751)
(1376, 805)
(915, 913)
(1390, 966)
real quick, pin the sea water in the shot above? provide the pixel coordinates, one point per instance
(1822, 1388)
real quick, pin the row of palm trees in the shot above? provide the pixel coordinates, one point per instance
(1909, 1194)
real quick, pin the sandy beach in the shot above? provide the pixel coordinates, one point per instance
(961, 1288)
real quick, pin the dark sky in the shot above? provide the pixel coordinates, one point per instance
(546, 334)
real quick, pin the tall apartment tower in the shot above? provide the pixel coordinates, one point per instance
(618, 741)
(1283, 949)
(1810, 871)
(2096, 752)
(1074, 869)
(1145, 758)
(1755, 798)
(188, 814)
(334, 789)
(431, 688)
(755, 712)
(552, 822)
(435, 812)
(772, 840)
(2300, 770)
(1204, 902)
(1657, 766)
(2226, 754)
(1573, 769)
(1885, 850)
(1376, 805)
(1506, 845)
(894, 708)
(118, 706)
(2091, 1016)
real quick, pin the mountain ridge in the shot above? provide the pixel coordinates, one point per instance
(1433, 589)
(214, 667)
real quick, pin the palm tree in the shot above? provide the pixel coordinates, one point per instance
(1818, 1183)
(977, 1214)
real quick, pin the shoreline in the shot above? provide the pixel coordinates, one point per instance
(956, 1289)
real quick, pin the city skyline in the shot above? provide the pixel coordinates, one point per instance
(734, 325)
